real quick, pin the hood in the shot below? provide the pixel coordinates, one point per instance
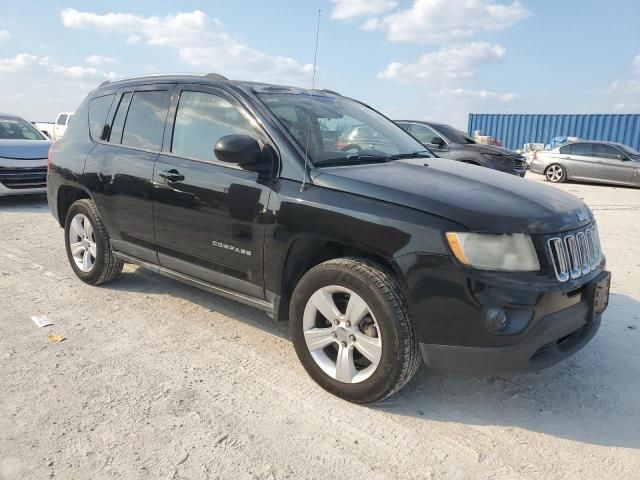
(25, 149)
(482, 148)
(481, 199)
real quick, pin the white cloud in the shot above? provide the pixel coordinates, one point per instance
(200, 41)
(439, 21)
(348, 9)
(448, 62)
(27, 63)
(4, 35)
(476, 95)
(99, 60)
(636, 64)
(619, 107)
(623, 87)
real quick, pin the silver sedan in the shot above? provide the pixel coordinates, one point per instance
(602, 162)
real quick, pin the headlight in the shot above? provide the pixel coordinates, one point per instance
(513, 253)
(497, 158)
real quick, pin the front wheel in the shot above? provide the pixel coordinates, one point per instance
(351, 330)
(556, 173)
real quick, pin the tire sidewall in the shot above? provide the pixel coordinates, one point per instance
(384, 378)
(98, 266)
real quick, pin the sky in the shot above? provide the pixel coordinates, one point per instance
(433, 60)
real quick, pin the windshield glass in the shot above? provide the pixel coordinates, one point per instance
(12, 128)
(453, 134)
(339, 130)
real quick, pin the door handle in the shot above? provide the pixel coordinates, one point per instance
(172, 175)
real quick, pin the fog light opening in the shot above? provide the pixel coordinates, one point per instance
(497, 319)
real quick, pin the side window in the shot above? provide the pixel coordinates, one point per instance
(423, 133)
(607, 151)
(62, 120)
(118, 121)
(98, 110)
(585, 149)
(566, 149)
(404, 126)
(144, 126)
(201, 120)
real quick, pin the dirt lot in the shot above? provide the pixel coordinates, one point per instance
(160, 380)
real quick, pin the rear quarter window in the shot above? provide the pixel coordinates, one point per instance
(98, 111)
(144, 126)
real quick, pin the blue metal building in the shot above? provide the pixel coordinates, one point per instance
(514, 130)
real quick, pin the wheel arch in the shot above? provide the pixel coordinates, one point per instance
(305, 253)
(67, 195)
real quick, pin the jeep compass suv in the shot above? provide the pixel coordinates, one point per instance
(378, 255)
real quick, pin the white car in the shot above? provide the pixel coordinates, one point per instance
(61, 124)
(23, 157)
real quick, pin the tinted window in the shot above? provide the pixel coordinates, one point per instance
(423, 133)
(98, 110)
(566, 149)
(201, 120)
(453, 134)
(607, 151)
(118, 121)
(582, 149)
(404, 126)
(144, 126)
(62, 119)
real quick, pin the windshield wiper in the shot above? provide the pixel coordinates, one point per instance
(420, 153)
(350, 159)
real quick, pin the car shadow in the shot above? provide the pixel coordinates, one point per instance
(24, 203)
(592, 397)
(586, 398)
(144, 281)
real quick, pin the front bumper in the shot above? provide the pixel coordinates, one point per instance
(4, 191)
(451, 311)
(22, 177)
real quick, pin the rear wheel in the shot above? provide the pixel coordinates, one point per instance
(87, 244)
(351, 330)
(556, 173)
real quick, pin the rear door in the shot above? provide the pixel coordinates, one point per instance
(578, 158)
(119, 171)
(612, 165)
(208, 213)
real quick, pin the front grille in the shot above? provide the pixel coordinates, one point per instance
(576, 253)
(30, 177)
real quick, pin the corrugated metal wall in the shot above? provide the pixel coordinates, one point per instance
(517, 129)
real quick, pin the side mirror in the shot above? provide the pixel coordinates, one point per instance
(437, 141)
(622, 157)
(238, 149)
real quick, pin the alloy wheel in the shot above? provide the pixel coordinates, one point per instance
(342, 334)
(555, 173)
(82, 242)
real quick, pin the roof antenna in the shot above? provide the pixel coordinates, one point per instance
(303, 186)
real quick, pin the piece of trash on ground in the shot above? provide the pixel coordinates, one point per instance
(41, 320)
(56, 338)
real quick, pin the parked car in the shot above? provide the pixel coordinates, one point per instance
(61, 124)
(45, 127)
(23, 157)
(377, 257)
(446, 141)
(602, 162)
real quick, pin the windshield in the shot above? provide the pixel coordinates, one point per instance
(453, 134)
(12, 128)
(340, 130)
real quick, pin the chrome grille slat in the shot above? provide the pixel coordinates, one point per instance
(575, 254)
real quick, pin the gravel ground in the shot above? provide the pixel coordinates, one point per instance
(160, 380)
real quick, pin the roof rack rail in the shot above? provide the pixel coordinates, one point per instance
(104, 83)
(329, 91)
(216, 76)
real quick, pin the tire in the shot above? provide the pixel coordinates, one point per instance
(101, 264)
(385, 331)
(555, 173)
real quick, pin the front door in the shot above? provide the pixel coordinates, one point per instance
(207, 214)
(612, 165)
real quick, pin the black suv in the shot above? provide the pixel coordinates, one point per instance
(378, 256)
(449, 142)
